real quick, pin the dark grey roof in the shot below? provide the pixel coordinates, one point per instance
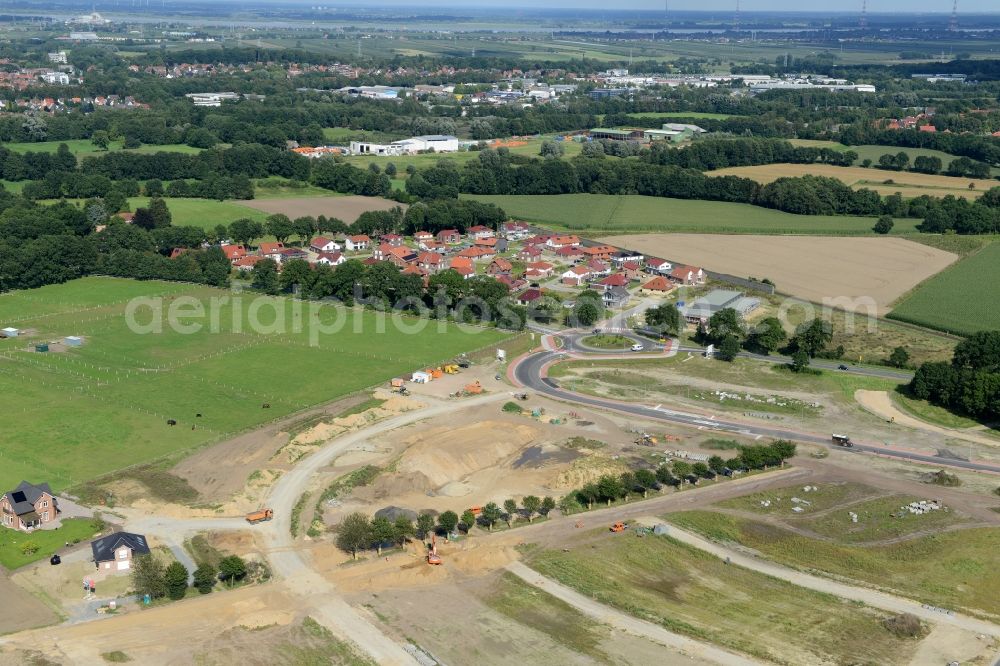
(105, 547)
(23, 498)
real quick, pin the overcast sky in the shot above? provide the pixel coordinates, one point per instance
(874, 6)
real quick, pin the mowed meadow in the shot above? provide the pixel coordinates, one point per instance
(74, 414)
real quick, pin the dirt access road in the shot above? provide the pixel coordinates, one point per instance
(865, 595)
(880, 404)
(807, 267)
(627, 623)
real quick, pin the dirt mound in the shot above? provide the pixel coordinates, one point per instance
(448, 454)
(586, 470)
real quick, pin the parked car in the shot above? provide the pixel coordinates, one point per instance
(637, 347)
(841, 367)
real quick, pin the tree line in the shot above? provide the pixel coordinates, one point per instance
(611, 488)
(151, 577)
(970, 384)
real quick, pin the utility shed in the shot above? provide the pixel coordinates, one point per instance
(10, 332)
(73, 341)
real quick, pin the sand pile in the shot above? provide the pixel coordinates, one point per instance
(587, 470)
(448, 454)
(394, 404)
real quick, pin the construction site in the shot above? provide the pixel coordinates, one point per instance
(629, 581)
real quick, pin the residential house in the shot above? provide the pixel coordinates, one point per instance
(321, 244)
(330, 258)
(600, 252)
(234, 252)
(624, 256)
(612, 281)
(357, 243)
(616, 297)
(569, 253)
(413, 269)
(401, 256)
(480, 232)
(288, 253)
(177, 252)
(485, 242)
(463, 266)
(598, 268)
(658, 266)
(512, 284)
(394, 240)
(433, 246)
(687, 275)
(28, 506)
(498, 267)
(658, 286)
(430, 262)
(530, 253)
(478, 253)
(576, 276)
(116, 552)
(539, 270)
(271, 250)
(422, 237)
(449, 236)
(247, 263)
(556, 242)
(515, 230)
(632, 270)
(529, 296)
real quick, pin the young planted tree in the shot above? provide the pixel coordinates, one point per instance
(232, 569)
(645, 479)
(404, 530)
(148, 577)
(681, 468)
(425, 523)
(448, 521)
(468, 520)
(491, 514)
(176, 579)
(548, 503)
(589, 494)
(382, 532)
(531, 505)
(628, 484)
(609, 488)
(354, 533)
(510, 509)
(205, 577)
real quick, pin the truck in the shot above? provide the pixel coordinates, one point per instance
(260, 516)
(842, 440)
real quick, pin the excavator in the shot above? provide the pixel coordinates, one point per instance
(432, 554)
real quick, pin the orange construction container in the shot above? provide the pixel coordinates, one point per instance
(397, 382)
(436, 373)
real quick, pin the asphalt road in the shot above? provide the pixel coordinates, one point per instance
(529, 372)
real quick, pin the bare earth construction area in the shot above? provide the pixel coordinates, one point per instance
(347, 208)
(814, 269)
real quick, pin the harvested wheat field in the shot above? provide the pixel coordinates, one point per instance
(814, 269)
(907, 183)
(347, 208)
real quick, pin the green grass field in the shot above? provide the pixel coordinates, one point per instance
(104, 406)
(691, 592)
(960, 299)
(12, 542)
(874, 152)
(204, 213)
(607, 213)
(80, 147)
(950, 570)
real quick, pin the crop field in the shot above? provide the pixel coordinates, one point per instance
(610, 213)
(193, 212)
(105, 405)
(949, 569)
(80, 147)
(853, 272)
(691, 592)
(961, 299)
(346, 208)
(907, 183)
